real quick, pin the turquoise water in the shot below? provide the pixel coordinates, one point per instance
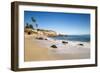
(82, 38)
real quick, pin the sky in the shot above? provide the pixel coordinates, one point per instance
(62, 23)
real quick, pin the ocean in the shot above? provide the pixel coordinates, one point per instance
(82, 38)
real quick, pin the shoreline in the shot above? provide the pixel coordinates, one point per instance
(40, 50)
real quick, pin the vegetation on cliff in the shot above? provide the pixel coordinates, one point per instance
(30, 29)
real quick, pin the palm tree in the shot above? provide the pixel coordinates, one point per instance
(27, 25)
(37, 26)
(31, 26)
(34, 21)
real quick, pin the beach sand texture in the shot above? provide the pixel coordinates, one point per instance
(40, 50)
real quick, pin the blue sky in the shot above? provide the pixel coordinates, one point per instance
(64, 23)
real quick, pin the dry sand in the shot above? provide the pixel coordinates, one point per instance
(38, 50)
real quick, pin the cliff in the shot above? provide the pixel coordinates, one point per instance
(40, 32)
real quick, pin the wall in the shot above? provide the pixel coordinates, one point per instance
(5, 40)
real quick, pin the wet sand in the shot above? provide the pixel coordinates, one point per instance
(40, 50)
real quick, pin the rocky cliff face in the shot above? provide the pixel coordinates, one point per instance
(47, 32)
(41, 32)
(50, 33)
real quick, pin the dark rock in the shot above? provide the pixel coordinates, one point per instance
(64, 42)
(40, 38)
(29, 33)
(81, 44)
(46, 39)
(54, 46)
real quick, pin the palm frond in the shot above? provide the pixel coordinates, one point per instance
(33, 20)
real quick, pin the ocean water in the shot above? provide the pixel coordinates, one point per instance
(82, 38)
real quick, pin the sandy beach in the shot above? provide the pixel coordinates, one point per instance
(38, 50)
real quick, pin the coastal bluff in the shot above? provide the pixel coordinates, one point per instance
(40, 32)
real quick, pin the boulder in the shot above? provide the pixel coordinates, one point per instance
(81, 44)
(64, 42)
(40, 38)
(54, 46)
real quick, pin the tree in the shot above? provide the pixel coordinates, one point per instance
(34, 21)
(37, 26)
(27, 25)
(31, 26)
